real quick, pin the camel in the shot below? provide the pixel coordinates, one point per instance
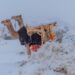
(30, 30)
(8, 24)
(43, 30)
(14, 34)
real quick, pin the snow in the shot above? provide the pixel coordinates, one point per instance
(49, 60)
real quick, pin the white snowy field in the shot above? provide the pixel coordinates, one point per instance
(10, 56)
(47, 61)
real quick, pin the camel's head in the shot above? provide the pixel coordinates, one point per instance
(6, 21)
(50, 27)
(18, 17)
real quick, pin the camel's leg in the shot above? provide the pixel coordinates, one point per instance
(28, 49)
(43, 35)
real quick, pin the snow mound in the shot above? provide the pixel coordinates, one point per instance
(52, 60)
(49, 60)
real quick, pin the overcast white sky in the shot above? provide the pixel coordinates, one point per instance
(39, 9)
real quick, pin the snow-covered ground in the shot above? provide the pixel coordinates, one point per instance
(47, 61)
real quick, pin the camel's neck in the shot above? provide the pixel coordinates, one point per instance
(20, 22)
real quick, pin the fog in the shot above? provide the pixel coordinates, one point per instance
(36, 10)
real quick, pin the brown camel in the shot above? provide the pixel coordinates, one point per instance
(9, 26)
(30, 30)
(13, 33)
(43, 30)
